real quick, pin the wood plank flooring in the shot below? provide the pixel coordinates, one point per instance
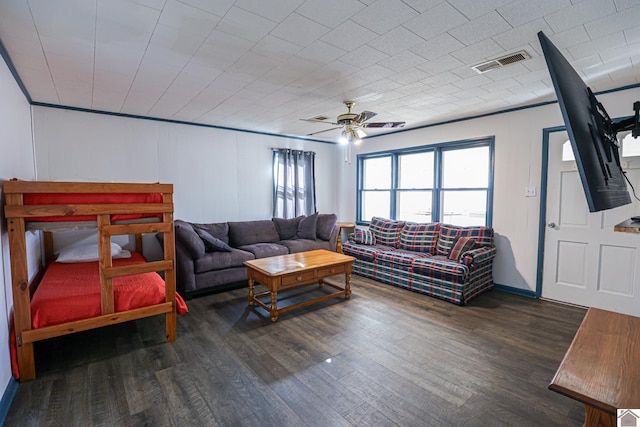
(385, 357)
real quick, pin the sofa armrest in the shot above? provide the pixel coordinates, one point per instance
(188, 239)
(478, 256)
(333, 240)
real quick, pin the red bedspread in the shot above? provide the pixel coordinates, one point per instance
(70, 292)
(90, 198)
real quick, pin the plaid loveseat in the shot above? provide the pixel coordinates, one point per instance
(445, 261)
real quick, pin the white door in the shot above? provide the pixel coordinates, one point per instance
(585, 261)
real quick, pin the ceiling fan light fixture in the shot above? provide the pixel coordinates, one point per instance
(344, 137)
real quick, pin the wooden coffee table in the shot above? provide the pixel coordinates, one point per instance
(600, 368)
(285, 272)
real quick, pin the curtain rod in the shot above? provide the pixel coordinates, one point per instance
(289, 149)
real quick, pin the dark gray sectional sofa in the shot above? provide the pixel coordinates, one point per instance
(213, 260)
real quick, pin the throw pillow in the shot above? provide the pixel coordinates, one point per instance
(212, 244)
(364, 237)
(307, 227)
(460, 246)
(85, 252)
(420, 237)
(287, 228)
(447, 235)
(326, 224)
(386, 231)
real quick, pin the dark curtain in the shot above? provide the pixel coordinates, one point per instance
(294, 183)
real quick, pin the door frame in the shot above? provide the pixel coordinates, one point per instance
(542, 223)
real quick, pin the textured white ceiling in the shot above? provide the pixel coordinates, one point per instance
(262, 65)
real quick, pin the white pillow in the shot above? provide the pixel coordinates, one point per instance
(84, 252)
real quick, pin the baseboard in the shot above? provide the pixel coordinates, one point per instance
(517, 291)
(7, 399)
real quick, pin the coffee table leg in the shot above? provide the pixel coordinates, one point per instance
(347, 284)
(251, 293)
(274, 306)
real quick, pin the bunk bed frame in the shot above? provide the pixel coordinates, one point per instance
(18, 214)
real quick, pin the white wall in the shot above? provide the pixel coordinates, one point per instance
(518, 164)
(218, 175)
(16, 161)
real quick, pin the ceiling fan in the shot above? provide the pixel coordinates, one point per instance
(352, 124)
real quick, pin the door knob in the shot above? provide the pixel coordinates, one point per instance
(551, 225)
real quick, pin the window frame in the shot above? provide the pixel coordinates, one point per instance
(437, 189)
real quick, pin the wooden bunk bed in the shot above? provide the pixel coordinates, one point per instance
(113, 209)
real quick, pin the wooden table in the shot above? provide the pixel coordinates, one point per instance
(601, 369)
(343, 226)
(285, 272)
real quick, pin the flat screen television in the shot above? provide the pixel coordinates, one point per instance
(592, 133)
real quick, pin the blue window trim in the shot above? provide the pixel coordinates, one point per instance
(437, 149)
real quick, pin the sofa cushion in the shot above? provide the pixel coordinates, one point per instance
(250, 232)
(263, 250)
(363, 236)
(303, 245)
(307, 227)
(187, 237)
(219, 230)
(221, 260)
(399, 256)
(386, 231)
(326, 223)
(461, 245)
(419, 237)
(482, 235)
(363, 252)
(440, 267)
(212, 244)
(446, 237)
(287, 227)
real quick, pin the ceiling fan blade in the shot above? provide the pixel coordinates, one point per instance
(364, 116)
(384, 125)
(319, 121)
(326, 130)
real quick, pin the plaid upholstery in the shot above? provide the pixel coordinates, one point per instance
(450, 289)
(366, 252)
(461, 245)
(482, 235)
(419, 237)
(478, 255)
(402, 277)
(441, 267)
(386, 231)
(436, 276)
(398, 256)
(448, 234)
(365, 237)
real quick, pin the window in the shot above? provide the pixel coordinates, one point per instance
(294, 187)
(450, 183)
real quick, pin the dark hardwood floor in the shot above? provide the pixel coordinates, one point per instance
(385, 357)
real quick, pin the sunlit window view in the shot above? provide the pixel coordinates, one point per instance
(436, 184)
(567, 152)
(415, 187)
(463, 207)
(630, 147)
(377, 174)
(464, 171)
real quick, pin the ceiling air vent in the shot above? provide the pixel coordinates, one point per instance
(512, 58)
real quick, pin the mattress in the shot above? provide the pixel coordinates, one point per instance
(71, 292)
(90, 199)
